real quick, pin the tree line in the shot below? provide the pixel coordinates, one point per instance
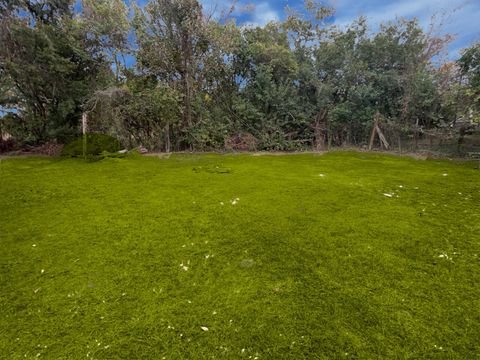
(199, 81)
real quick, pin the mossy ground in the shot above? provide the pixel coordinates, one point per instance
(346, 255)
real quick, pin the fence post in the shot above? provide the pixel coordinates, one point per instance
(84, 132)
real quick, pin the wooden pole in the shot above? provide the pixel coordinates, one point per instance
(377, 131)
(372, 136)
(383, 140)
(84, 132)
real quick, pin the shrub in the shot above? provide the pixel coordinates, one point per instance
(241, 142)
(7, 145)
(51, 148)
(96, 144)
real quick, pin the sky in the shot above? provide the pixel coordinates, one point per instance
(463, 21)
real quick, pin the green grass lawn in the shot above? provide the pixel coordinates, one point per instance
(345, 255)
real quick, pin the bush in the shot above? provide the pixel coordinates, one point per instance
(51, 148)
(96, 144)
(7, 145)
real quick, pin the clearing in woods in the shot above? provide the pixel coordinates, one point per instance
(345, 255)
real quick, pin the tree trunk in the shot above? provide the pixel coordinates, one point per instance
(415, 135)
(117, 68)
(187, 79)
(320, 130)
(188, 100)
(167, 139)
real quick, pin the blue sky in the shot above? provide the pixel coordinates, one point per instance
(464, 23)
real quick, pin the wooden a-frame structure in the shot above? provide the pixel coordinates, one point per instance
(377, 131)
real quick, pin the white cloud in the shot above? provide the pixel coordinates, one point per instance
(262, 14)
(378, 13)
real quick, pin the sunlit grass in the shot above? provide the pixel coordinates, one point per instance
(346, 255)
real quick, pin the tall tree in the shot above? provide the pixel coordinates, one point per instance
(49, 67)
(107, 23)
(172, 41)
(469, 64)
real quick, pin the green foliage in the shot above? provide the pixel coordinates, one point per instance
(47, 68)
(106, 21)
(96, 144)
(139, 114)
(200, 82)
(469, 65)
(279, 119)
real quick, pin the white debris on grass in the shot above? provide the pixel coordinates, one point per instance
(184, 267)
(234, 201)
(204, 328)
(388, 195)
(445, 174)
(445, 256)
(34, 245)
(321, 175)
